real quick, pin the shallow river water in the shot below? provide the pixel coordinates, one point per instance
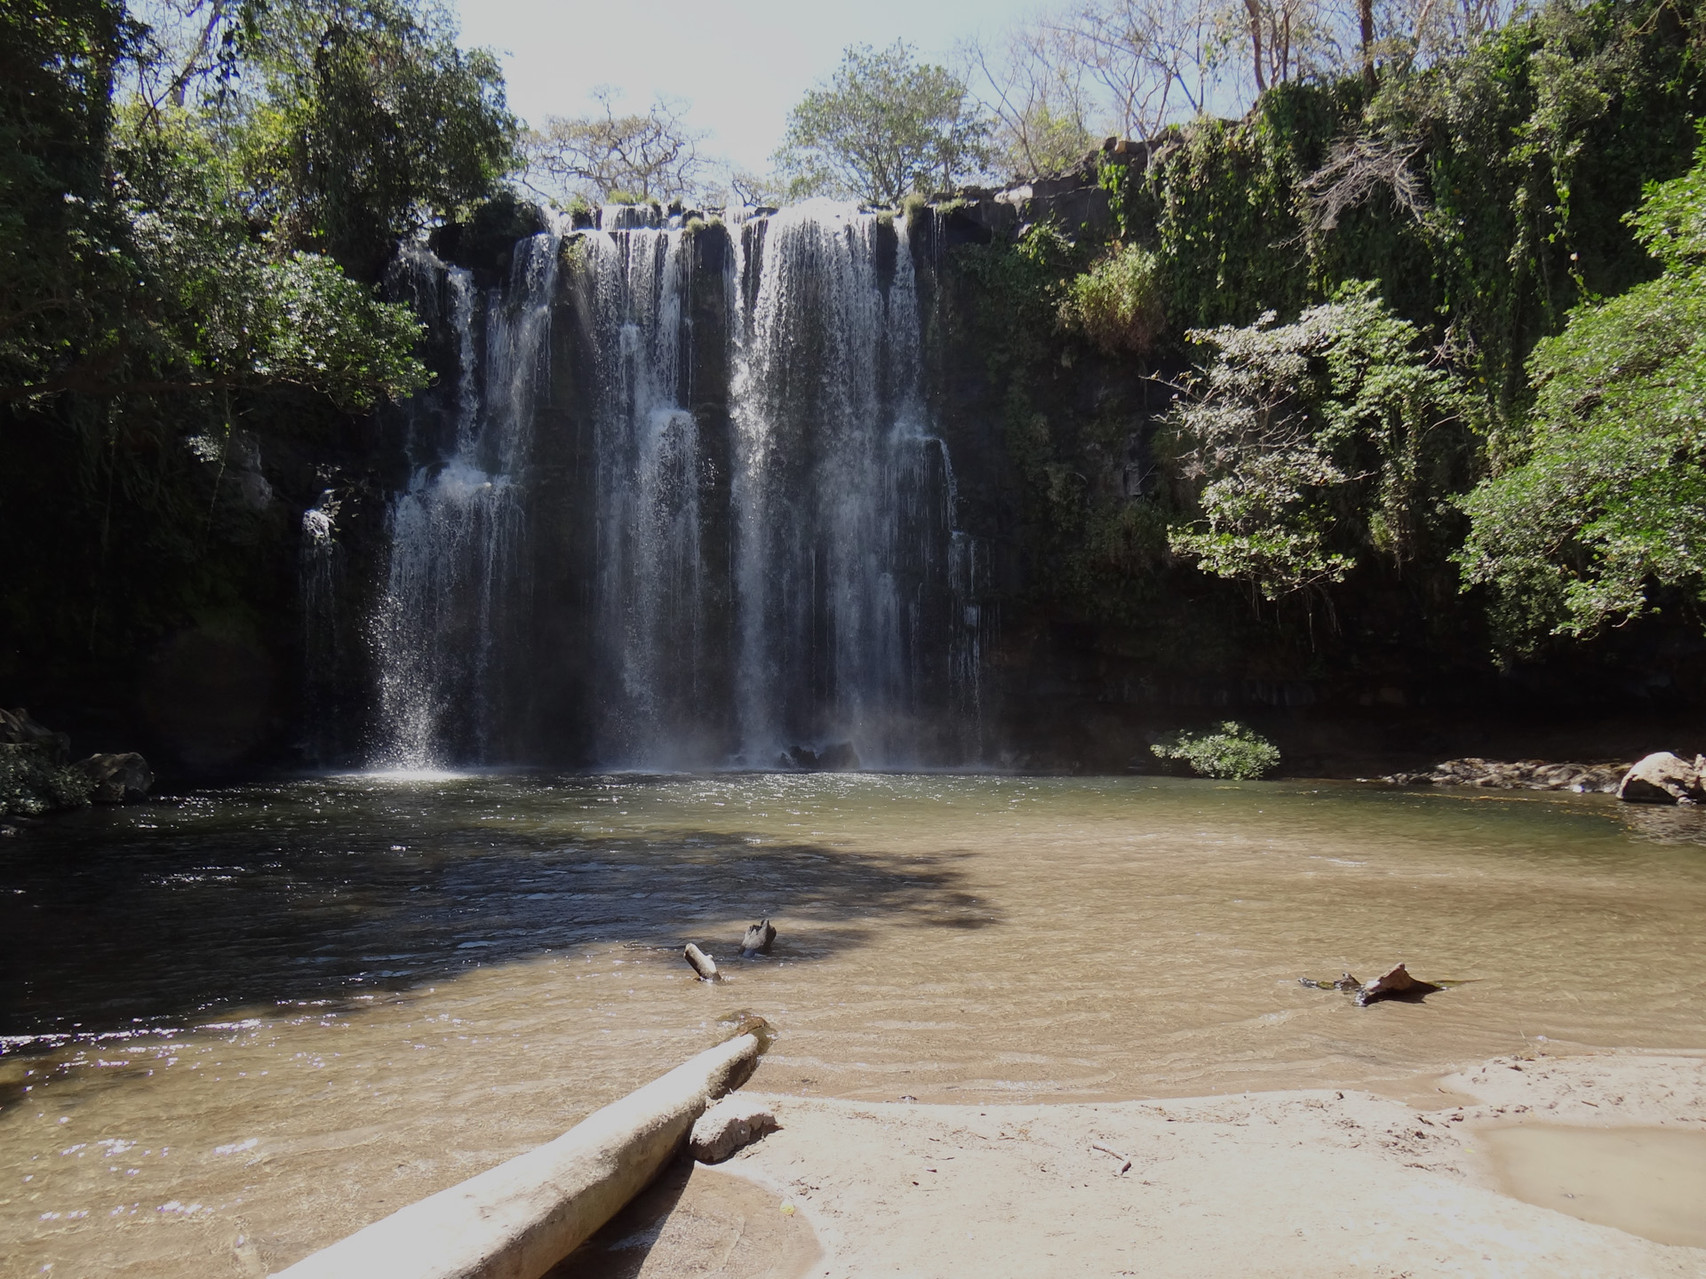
(241, 1023)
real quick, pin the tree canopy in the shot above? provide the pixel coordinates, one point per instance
(884, 127)
(645, 155)
(217, 223)
(194, 220)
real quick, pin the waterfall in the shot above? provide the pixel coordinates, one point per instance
(651, 634)
(833, 490)
(455, 570)
(740, 523)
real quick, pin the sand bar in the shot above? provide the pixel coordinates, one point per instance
(1306, 1183)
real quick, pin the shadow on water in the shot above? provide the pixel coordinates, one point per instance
(237, 900)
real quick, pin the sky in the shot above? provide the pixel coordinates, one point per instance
(739, 64)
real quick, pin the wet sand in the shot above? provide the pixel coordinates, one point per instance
(1316, 1183)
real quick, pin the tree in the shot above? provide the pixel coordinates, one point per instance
(883, 128)
(152, 248)
(650, 155)
(1604, 508)
(1318, 442)
(1154, 59)
(361, 121)
(59, 284)
(1037, 94)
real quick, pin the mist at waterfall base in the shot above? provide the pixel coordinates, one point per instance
(675, 502)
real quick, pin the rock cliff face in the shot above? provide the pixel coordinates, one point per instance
(690, 492)
(772, 491)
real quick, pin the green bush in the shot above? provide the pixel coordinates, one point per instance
(1232, 751)
(1117, 302)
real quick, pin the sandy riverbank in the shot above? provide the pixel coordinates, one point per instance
(1300, 1183)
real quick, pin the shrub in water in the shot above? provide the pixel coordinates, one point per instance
(1231, 751)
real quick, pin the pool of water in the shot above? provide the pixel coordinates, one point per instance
(241, 1023)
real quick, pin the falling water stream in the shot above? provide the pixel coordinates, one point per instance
(782, 581)
(844, 498)
(455, 565)
(651, 579)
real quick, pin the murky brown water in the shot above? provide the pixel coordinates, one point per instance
(1648, 1181)
(242, 1025)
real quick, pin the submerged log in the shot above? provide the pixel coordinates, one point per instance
(1344, 981)
(1394, 983)
(702, 963)
(521, 1218)
(758, 940)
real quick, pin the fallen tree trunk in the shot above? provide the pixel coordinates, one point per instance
(521, 1218)
(702, 963)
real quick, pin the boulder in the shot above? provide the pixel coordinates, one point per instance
(731, 1124)
(34, 782)
(1664, 778)
(837, 757)
(116, 779)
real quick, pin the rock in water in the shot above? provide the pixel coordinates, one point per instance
(758, 939)
(1664, 778)
(732, 1123)
(1394, 983)
(116, 778)
(837, 757)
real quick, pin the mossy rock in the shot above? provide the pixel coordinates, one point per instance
(32, 782)
(485, 241)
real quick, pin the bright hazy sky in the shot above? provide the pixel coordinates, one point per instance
(740, 64)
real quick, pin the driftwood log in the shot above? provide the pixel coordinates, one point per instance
(758, 940)
(521, 1218)
(702, 963)
(1394, 983)
(1125, 1159)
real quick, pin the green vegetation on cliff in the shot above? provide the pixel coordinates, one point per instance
(1601, 506)
(1364, 287)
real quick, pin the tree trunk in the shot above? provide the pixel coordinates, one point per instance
(1365, 12)
(1254, 9)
